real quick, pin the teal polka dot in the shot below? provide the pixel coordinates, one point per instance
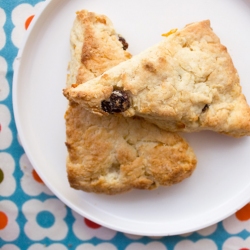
(45, 219)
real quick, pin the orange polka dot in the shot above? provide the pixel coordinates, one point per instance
(36, 176)
(28, 21)
(91, 224)
(244, 213)
(3, 220)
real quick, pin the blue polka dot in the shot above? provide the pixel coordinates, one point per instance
(45, 219)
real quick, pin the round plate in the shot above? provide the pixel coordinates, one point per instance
(221, 183)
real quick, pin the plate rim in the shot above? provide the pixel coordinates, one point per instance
(241, 199)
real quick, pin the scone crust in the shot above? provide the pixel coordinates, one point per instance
(115, 154)
(109, 154)
(187, 82)
(95, 47)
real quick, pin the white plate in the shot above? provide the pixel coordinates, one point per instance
(221, 183)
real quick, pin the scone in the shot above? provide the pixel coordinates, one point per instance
(112, 154)
(187, 83)
(95, 47)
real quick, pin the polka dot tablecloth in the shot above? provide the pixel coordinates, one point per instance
(32, 218)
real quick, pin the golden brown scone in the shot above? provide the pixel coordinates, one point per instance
(94, 47)
(115, 154)
(187, 83)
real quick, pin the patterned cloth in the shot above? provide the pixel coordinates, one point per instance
(32, 218)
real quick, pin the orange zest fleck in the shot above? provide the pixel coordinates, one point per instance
(244, 213)
(36, 176)
(170, 32)
(3, 220)
(28, 21)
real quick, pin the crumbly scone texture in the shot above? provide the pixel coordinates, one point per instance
(113, 154)
(94, 47)
(187, 82)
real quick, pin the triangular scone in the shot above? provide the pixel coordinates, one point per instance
(115, 154)
(187, 82)
(95, 47)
